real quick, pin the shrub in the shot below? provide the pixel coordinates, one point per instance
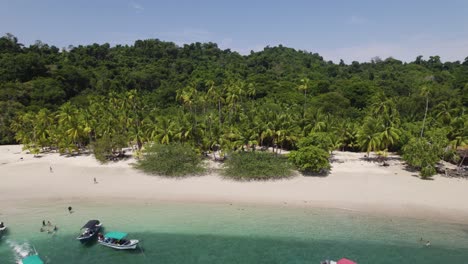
(256, 166)
(173, 160)
(106, 147)
(310, 159)
(422, 155)
(320, 139)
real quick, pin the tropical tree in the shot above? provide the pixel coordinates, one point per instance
(369, 136)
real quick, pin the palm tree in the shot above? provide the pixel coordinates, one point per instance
(43, 124)
(304, 87)
(458, 134)
(389, 136)
(425, 92)
(217, 95)
(369, 137)
(69, 121)
(165, 130)
(444, 113)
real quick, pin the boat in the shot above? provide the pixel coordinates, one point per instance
(341, 261)
(117, 240)
(33, 259)
(89, 231)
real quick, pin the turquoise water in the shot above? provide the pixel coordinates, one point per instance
(223, 233)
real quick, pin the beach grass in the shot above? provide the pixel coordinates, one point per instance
(172, 160)
(257, 166)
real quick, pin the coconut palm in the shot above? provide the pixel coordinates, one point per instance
(165, 130)
(369, 136)
(217, 95)
(425, 92)
(304, 87)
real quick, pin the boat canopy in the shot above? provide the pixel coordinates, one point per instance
(116, 235)
(91, 223)
(34, 259)
(346, 261)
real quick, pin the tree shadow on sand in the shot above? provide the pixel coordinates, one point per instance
(321, 174)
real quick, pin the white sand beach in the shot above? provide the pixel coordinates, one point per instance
(353, 184)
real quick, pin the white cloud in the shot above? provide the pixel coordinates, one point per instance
(136, 6)
(405, 50)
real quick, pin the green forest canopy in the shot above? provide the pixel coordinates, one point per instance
(218, 99)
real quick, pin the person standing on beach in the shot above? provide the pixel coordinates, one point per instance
(50, 169)
(43, 222)
(95, 181)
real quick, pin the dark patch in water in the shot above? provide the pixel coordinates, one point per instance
(176, 248)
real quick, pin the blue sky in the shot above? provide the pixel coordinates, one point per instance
(346, 29)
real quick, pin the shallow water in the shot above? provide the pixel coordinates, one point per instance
(223, 233)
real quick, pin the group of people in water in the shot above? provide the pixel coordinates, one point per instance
(48, 227)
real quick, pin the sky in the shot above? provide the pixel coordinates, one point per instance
(352, 30)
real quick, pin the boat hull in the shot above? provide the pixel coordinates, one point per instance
(132, 245)
(87, 238)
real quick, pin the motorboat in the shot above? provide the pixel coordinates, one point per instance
(33, 259)
(89, 231)
(117, 240)
(341, 261)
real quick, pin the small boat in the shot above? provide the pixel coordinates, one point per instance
(33, 259)
(117, 240)
(341, 261)
(89, 230)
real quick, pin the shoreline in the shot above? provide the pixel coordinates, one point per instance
(353, 185)
(412, 212)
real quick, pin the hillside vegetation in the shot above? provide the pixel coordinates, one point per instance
(213, 99)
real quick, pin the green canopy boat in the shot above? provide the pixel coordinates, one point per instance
(117, 240)
(116, 235)
(34, 259)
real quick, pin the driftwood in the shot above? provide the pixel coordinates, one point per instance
(459, 172)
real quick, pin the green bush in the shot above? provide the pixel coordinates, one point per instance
(322, 140)
(105, 148)
(173, 160)
(310, 159)
(256, 166)
(422, 154)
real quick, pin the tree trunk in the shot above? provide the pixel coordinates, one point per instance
(425, 115)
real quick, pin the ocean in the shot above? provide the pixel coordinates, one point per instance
(231, 233)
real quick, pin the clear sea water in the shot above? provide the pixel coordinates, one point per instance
(224, 233)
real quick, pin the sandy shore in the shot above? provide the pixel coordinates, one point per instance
(353, 184)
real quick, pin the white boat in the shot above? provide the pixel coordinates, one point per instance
(117, 240)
